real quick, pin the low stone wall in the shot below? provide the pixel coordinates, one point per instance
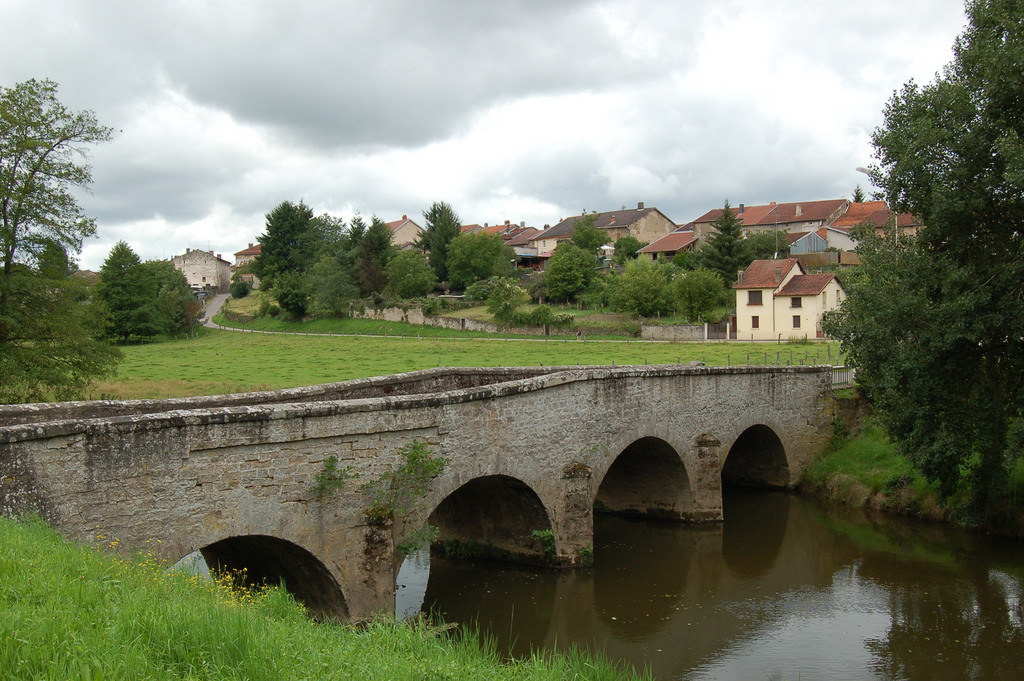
(416, 316)
(690, 332)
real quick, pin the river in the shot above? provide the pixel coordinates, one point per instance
(785, 588)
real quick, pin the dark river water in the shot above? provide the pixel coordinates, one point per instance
(784, 589)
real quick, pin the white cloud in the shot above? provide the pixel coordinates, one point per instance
(523, 111)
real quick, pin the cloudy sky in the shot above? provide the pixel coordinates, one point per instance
(528, 110)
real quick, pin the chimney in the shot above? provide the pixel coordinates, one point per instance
(742, 208)
(799, 210)
(640, 205)
(405, 217)
(250, 244)
(507, 223)
(739, 275)
(522, 223)
(778, 275)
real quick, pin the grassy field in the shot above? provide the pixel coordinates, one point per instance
(72, 612)
(229, 361)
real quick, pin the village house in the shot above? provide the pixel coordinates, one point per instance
(777, 300)
(803, 216)
(204, 270)
(404, 232)
(244, 257)
(668, 246)
(644, 224)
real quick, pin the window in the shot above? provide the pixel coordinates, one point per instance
(796, 302)
(753, 297)
(796, 321)
(755, 322)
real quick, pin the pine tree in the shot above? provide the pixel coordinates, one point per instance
(725, 251)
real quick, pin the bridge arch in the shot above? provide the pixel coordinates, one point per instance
(269, 560)
(757, 458)
(647, 478)
(496, 516)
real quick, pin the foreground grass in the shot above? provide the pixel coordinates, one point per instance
(866, 470)
(220, 362)
(71, 612)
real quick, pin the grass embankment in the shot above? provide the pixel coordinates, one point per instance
(70, 612)
(220, 362)
(865, 470)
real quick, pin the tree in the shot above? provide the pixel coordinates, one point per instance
(48, 334)
(504, 301)
(587, 236)
(725, 251)
(289, 244)
(128, 290)
(569, 270)
(442, 225)
(175, 306)
(374, 252)
(858, 195)
(765, 246)
(946, 310)
(697, 294)
(472, 257)
(410, 275)
(642, 290)
(626, 248)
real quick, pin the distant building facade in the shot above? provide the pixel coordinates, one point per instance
(204, 270)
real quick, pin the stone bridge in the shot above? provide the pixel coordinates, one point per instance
(530, 449)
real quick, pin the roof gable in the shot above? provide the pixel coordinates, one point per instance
(607, 220)
(673, 241)
(767, 273)
(806, 285)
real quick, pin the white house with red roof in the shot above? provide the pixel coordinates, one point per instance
(777, 300)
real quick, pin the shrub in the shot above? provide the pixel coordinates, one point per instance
(240, 289)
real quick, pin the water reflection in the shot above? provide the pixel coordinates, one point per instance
(783, 589)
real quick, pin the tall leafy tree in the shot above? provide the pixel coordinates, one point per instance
(442, 224)
(725, 251)
(936, 327)
(48, 341)
(472, 257)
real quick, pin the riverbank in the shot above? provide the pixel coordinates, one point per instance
(862, 468)
(76, 612)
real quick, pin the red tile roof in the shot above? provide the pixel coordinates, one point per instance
(523, 237)
(394, 226)
(806, 285)
(767, 273)
(252, 250)
(673, 241)
(781, 213)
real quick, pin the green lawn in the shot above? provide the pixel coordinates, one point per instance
(230, 361)
(71, 612)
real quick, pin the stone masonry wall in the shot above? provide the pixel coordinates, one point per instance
(190, 477)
